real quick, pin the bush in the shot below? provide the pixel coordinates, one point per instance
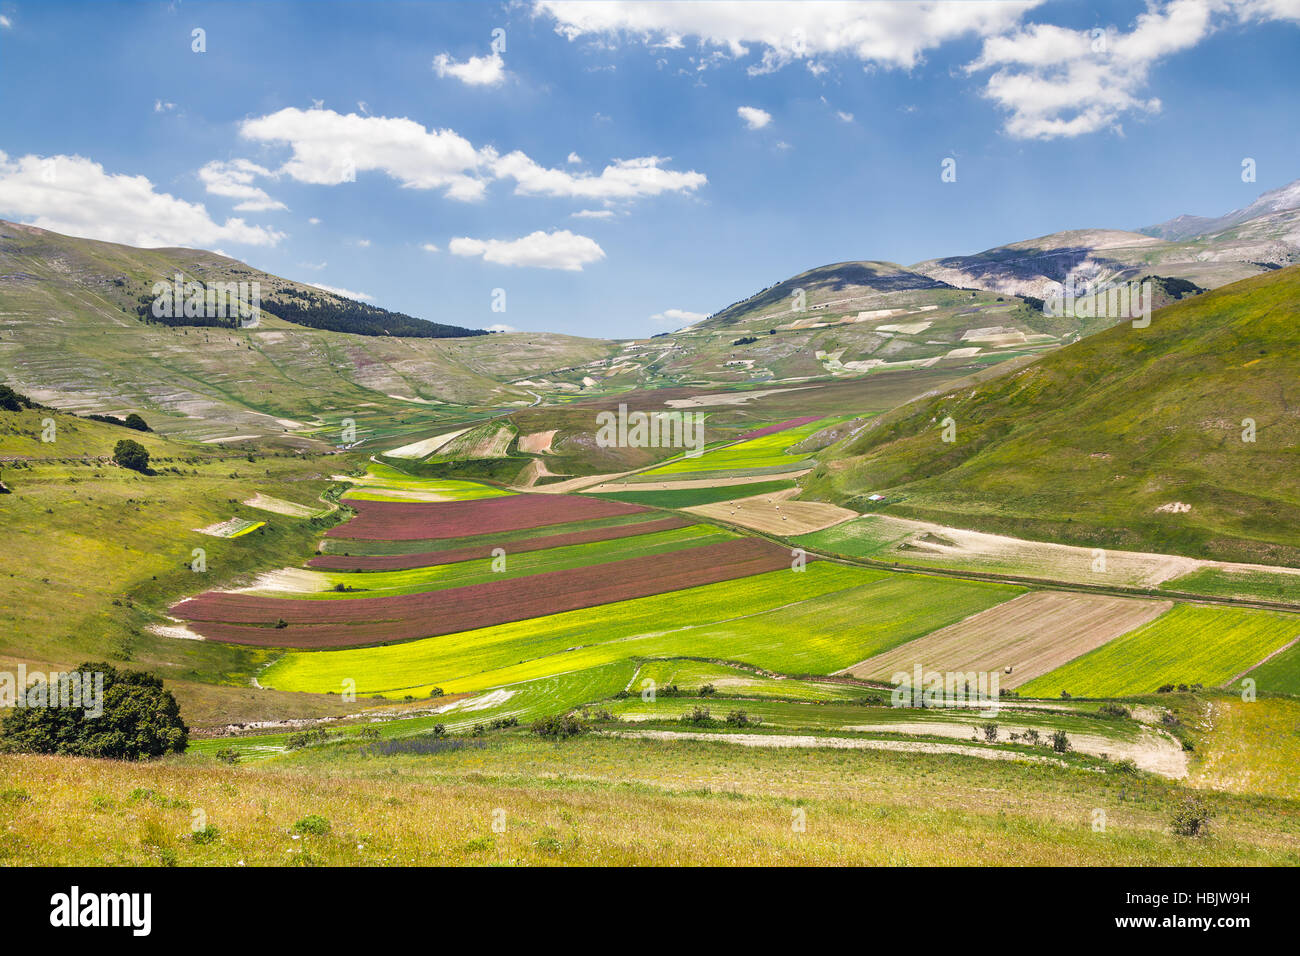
(559, 727)
(738, 718)
(227, 755)
(1113, 710)
(707, 690)
(205, 834)
(314, 824)
(135, 421)
(131, 454)
(990, 732)
(1060, 742)
(698, 717)
(140, 720)
(1192, 817)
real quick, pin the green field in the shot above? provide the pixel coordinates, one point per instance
(479, 571)
(689, 497)
(1248, 585)
(811, 622)
(1281, 675)
(767, 452)
(691, 675)
(380, 478)
(1189, 644)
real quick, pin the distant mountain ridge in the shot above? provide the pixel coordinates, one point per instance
(1283, 199)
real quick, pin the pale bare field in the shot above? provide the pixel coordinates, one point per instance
(573, 484)
(280, 506)
(425, 447)
(537, 443)
(1024, 638)
(775, 513)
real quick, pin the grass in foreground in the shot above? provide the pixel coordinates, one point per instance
(514, 799)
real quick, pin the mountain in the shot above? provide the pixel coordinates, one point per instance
(72, 336)
(1131, 438)
(1283, 199)
(1208, 252)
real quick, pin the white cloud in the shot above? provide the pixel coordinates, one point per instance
(428, 247)
(622, 179)
(677, 317)
(359, 296)
(363, 243)
(314, 221)
(161, 107)
(844, 117)
(5, 22)
(559, 249)
(574, 158)
(234, 180)
(314, 266)
(330, 148)
(593, 214)
(754, 117)
(889, 34)
(74, 195)
(1056, 82)
(502, 327)
(476, 71)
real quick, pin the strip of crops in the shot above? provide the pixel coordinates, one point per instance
(396, 562)
(689, 497)
(816, 622)
(242, 618)
(1191, 644)
(388, 521)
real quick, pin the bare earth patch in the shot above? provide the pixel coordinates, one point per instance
(537, 443)
(775, 513)
(280, 506)
(425, 447)
(1029, 635)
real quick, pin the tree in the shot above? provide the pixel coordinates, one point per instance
(139, 720)
(131, 454)
(135, 421)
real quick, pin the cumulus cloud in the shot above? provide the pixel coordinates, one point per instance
(74, 195)
(559, 249)
(754, 117)
(889, 34)
(428, 247)
(502, 327)
(622, 179)
(347, 294)
(160, 106)
(330, 148)
(593, 214)
(234, 180)
(476, 71)
(1054, 82)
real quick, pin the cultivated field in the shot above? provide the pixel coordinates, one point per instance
(1188, 645)
(1021, 639)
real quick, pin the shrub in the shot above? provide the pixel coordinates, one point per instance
(559, 727)
(205, 834)
(1191, 817)
(131, 454)
(314, 824)
(227, 755)
(990, 731)
(140, 720)
(1113, 710)
(707, 690)
(738, 718)
(698, 717)
(1060, 742)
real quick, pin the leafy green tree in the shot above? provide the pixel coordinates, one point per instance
(135, 421)
(131, 454)
(139, 720)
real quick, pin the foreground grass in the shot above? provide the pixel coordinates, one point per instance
(514, 799)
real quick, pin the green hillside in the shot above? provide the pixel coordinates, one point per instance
(1131, 438)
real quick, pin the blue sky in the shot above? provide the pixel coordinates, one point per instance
(621, 167)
